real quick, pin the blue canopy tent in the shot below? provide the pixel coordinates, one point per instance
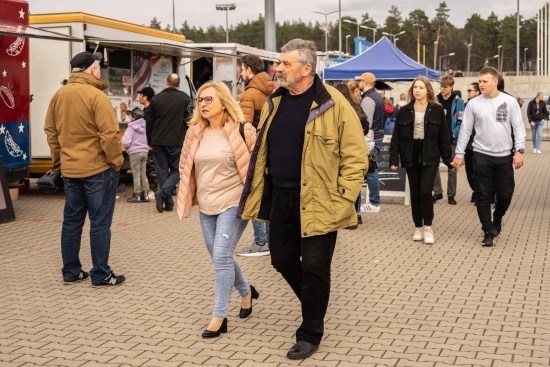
(385, 61)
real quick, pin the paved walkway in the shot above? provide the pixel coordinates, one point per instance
(393, 302)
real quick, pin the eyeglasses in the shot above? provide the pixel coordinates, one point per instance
(206, 100)
(471, 90)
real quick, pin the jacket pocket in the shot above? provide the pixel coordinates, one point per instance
(432, 128)
(325, 154)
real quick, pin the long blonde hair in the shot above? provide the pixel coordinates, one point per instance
(430, 96)
(232, 113)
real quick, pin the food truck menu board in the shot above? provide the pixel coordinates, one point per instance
(160, 69)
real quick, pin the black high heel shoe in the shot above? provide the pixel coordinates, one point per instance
(245, 312)
(214, 334)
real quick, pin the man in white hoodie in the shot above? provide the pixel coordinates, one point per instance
(495, 117)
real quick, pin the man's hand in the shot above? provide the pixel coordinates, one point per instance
(457, 163)
(150, 147)
(518, 160)
(393, 168)
(532, 123)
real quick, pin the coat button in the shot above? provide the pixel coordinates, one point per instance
(305, 233)
(303, 208)
(304, 184)
(308, 132)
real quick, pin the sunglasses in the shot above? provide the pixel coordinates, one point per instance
(471, 90)
(206, 100)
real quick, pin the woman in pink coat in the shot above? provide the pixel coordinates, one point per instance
(213, 167)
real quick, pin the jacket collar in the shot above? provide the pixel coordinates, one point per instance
(320, 97)
(80, 77)
(410, 105)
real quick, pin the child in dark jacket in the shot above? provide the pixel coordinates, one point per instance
(135, 143)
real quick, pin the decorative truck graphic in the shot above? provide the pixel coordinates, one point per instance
(14, 89)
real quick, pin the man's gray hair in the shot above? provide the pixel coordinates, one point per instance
(88, 70)
(307, 52)
(540, 94)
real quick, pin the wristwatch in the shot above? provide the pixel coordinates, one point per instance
(521, 151)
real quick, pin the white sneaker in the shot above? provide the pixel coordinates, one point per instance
(534, 151)
(370, 208)
(418, 234)
(538, 151)
(428, 236)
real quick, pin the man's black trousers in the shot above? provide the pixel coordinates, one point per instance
(309, 277)
(492, 174)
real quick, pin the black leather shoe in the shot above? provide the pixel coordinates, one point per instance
(302, 350)
(245, 312)
(214, 334)
(437, 197)
(452, 200)
(359, 219)
(159, 201)
(488, 239)
(497, 227)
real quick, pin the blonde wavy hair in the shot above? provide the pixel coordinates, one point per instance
(232, 112)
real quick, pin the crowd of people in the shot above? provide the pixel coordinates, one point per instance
(291, 160)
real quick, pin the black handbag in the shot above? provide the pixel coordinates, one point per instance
(372, 164)
(51, 182)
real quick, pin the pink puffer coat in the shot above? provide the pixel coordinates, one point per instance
(187, 188)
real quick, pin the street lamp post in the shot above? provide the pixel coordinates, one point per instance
(441, 57)
(347, 48)
(393, 35)
(352, 22)
(498, 56)
(373, 32)
(326, 25)
(468, 65)
(226, 8)
(524, 58)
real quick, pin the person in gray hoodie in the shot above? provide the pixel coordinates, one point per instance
(135, 143)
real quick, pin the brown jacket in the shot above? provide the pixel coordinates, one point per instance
(187, 191)
(254, 96)
(82, 128)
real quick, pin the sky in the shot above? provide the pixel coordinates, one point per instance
(203, 13)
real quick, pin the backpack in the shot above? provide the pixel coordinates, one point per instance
(389, 124)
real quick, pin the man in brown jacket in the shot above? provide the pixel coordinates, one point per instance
(85, 145)
(258, 86)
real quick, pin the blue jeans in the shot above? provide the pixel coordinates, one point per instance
(261, 232)
(167, 161)
(221, 234)
(372, 178)
(95, 195)
(536, 132)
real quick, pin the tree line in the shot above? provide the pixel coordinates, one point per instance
(423, 38)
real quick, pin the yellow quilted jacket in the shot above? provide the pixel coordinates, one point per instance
(334, 163)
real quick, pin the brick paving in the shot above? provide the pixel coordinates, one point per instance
(393, 302)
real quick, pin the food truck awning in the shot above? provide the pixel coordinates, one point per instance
(8, 28)
(182, 51)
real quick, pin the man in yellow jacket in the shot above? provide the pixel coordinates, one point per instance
(85, 145)
(305, 173)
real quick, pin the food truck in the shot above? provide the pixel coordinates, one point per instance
(15, 96)
(134, 56)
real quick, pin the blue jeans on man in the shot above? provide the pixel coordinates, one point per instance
(95, 196)
(167, 161)
(261, 232)
(536, 132)
(373, 182)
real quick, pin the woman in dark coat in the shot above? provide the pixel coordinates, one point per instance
(420, 138)
(346, 91)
